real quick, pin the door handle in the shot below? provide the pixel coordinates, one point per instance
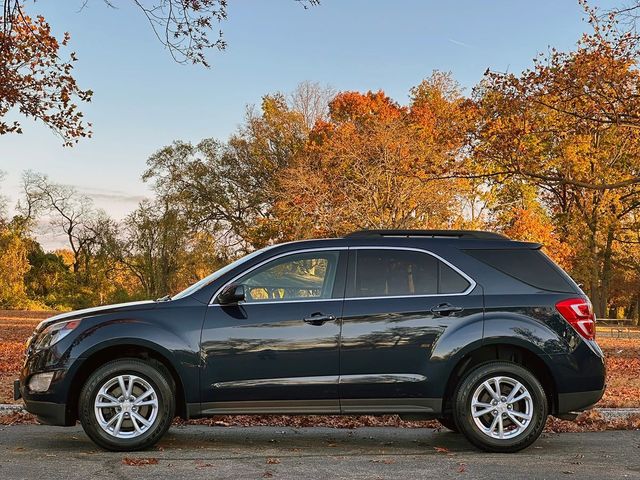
(445, 309)
(318, 319)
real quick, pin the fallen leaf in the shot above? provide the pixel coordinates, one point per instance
(139, 462)
(273, 461)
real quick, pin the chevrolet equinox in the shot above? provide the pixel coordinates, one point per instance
(483, 333)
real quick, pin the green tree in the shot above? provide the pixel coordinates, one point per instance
(230, 188)
(153, 245)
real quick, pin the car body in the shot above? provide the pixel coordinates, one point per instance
(377, 322)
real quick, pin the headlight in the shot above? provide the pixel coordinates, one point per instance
(40, 382)
(54, 333)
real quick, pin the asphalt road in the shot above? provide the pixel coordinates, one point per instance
(39, 452)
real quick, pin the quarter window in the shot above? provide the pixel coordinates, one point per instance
(380, 273)
(294, 277)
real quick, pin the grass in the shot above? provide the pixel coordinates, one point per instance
(623, 386)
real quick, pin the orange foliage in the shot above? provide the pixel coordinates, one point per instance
(371, 164)
(530, 225)
(36, 81)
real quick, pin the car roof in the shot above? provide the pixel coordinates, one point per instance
(462, 242)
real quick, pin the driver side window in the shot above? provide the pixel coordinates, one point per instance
(299, 276)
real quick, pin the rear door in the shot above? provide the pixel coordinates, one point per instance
(399, 303)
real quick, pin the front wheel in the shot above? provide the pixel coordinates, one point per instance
(127, 404)
(500, 407)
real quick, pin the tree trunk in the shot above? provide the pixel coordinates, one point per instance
(594, 274)
(605, 280)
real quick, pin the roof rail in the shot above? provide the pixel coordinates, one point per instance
(467, 234)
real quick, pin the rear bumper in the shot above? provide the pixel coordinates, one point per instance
(578, 401)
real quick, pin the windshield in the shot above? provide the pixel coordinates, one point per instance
(218, 273)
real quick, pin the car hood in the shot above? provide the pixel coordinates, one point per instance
(92, 311)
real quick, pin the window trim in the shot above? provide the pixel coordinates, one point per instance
(472, 282)
(276, 257)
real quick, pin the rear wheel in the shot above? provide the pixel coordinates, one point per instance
(127, 404)
(500, 407)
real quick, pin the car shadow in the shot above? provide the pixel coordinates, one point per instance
(312, 439)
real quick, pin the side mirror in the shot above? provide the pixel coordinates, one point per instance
(232, 293)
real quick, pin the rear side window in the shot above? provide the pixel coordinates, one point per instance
(386, 272)
(529, 266)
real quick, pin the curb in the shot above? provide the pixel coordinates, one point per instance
(8, 408)
(618, 413)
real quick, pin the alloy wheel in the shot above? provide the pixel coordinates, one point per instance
(126, 406)
(501, 407)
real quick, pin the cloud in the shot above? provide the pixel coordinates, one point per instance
(115, 196)
(105, 194)
(458, 42)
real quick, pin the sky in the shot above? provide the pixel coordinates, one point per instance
(143, 100)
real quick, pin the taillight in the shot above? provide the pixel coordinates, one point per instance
(579, 313)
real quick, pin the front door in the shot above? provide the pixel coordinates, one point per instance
(277, 352)
(399, 304)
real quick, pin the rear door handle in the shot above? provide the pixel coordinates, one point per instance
(445, 309)
(318, 319)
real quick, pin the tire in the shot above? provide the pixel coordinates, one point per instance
(483, 430)
(449, 423)
(133, 424)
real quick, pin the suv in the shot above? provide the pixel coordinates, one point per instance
(483, 333)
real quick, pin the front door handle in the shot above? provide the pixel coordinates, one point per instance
(445, 309)
(318, 319)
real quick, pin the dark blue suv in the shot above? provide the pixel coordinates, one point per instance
(483, 333)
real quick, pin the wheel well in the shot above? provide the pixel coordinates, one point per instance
(107, 354)
(510, 353)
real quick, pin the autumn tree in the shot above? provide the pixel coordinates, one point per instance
(567, 126)
(37, 77)
(14, 265)
(3, 199)
(36, 81)
(13, 261)
(370, 165)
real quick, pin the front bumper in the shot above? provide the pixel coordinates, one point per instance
(51, 407)
(49, 413)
